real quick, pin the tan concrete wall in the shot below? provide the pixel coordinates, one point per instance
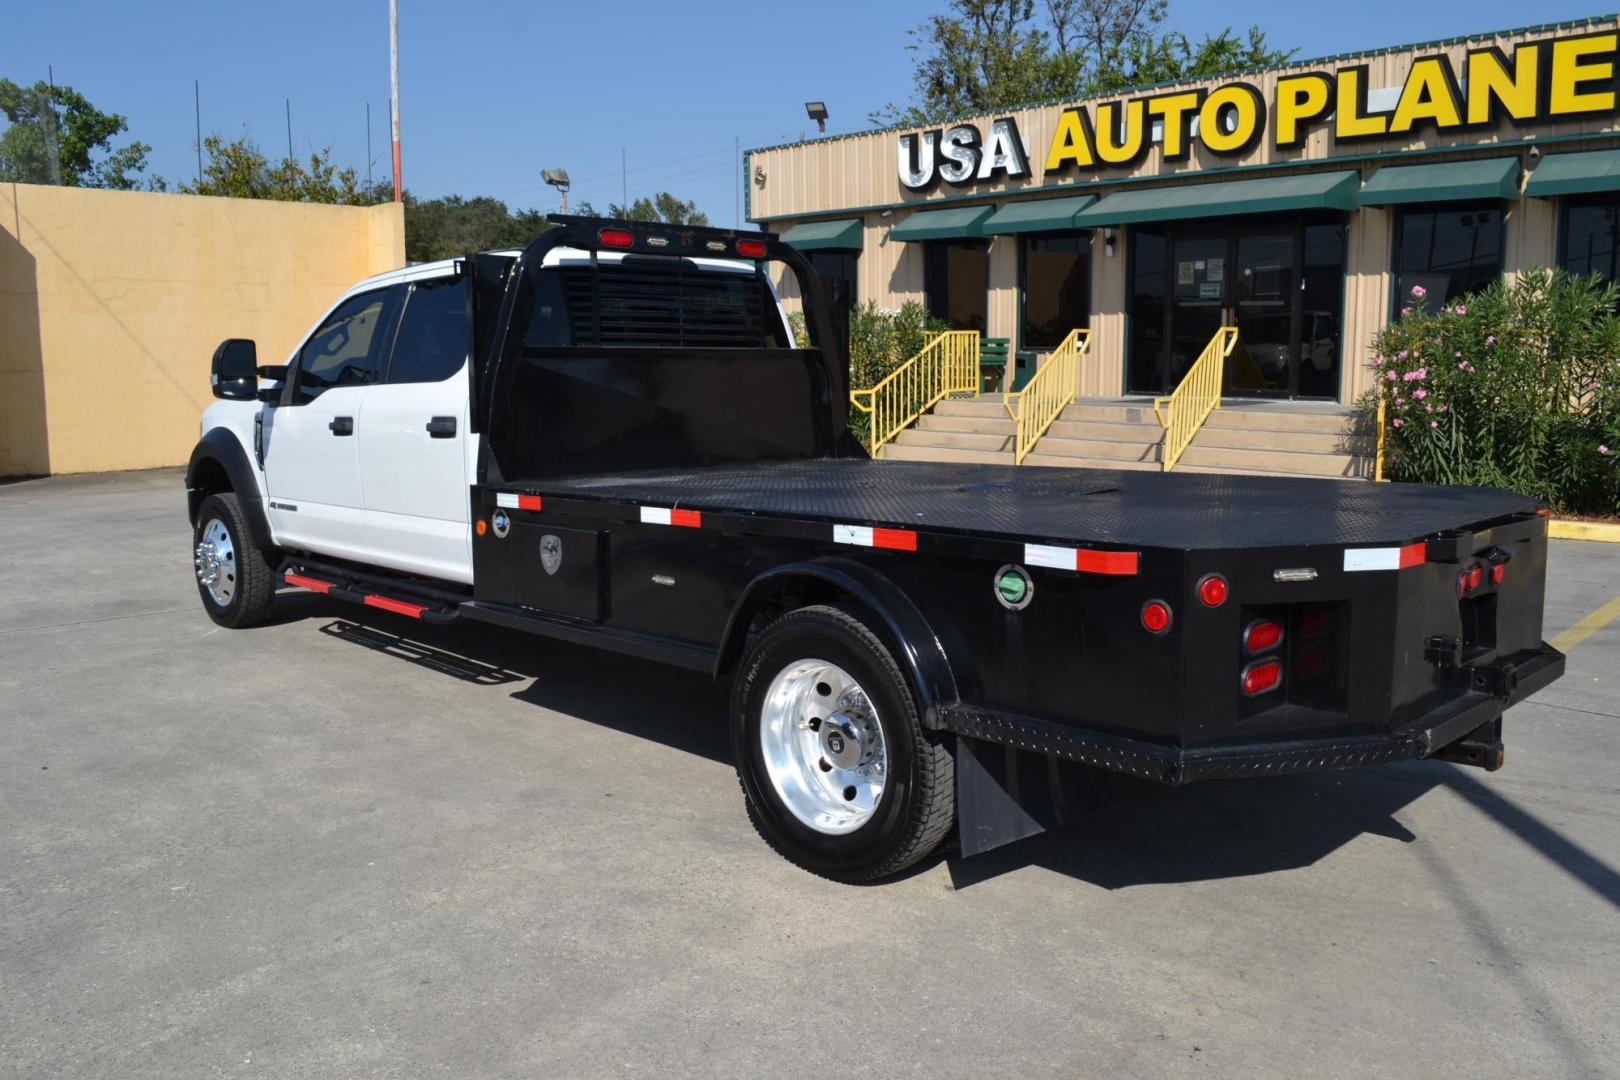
(111, 304)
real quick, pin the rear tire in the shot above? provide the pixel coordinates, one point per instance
(234, 579)
(838, 774)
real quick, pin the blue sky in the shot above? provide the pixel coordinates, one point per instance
(491, 92)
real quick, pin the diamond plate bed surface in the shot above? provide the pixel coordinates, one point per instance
(1188, 511)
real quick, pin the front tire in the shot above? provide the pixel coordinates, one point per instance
(838, 773)
(234, 579)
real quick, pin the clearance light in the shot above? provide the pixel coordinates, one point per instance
(751, 249)
(1155, 616)
(1476, 577)
(1212, 590)
(482, 526)
(1262, 634)
(1261, 676)
(1498, 572)
(616, 238)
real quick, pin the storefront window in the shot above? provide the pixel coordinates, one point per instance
(1054, 288)
(1590, 231)
(1147, 311)
(1448, 250)
(956, 281)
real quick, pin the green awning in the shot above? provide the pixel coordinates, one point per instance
(841, 235)
(942, 224)
(1308, 191)
(1575, 174)
(1449, 181)
(1037, 215)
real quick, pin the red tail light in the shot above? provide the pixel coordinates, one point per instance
(751, 249)
(616, 238)
(1476, 577)
(1155, 616)
(1212, 590)
(1498, 572)
(1262, 634)
(1261, 676)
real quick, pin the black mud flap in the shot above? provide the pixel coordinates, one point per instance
(1004, 794)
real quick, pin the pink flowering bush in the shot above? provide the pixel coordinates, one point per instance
(1520, 385)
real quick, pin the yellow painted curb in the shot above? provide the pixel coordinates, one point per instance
(1583, 530)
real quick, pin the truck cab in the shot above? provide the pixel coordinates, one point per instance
(362, 444)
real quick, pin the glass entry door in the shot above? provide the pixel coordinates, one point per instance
(1280, 283)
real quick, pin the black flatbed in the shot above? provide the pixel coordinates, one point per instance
(1108, 506)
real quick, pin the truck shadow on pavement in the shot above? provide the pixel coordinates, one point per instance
(1140, 834)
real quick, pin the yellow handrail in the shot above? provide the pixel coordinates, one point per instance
(1189, 405)
(1046, 394)
(948, 364)
(1378, 462)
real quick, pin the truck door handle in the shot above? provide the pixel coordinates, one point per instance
(442, 427)
(341, 425)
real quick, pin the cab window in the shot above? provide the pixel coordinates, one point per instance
(345, 350)
(431, 344)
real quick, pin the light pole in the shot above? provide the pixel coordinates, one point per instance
(817, 111)
(393, 81)
(557, 178)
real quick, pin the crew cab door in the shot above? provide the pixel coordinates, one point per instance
(311, 449)
(413, 439)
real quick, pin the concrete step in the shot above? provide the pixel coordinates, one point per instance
(1063, 461)
(899, 452)
(969, 422)
(1098, 429)
(1227, 416)
(956, 440)
(1097, 449)
(1303, 442)
(1280, 462)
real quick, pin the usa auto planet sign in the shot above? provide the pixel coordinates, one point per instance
(1542, 82)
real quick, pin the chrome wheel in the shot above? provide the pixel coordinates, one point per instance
(215, 559)
(823, 746)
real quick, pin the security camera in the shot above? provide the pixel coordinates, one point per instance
(1535, 152)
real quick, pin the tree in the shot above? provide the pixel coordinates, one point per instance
(451, 226)
(986, 55)
(239, 169)
(661, 207)
(57, 137)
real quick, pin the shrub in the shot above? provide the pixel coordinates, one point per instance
(1516, 386)
(880, 340)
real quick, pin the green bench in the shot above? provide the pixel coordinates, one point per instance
(993, 353)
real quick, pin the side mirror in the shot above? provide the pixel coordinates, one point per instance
(235, 372)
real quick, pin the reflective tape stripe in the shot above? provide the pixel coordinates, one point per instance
(400, 607)
(1106, 562)
(1390, 558)
(513, 501)
(866, 536)
(312, 584)
(1081, 560)
(661, 515)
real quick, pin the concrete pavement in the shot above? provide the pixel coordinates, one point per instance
(347, 845)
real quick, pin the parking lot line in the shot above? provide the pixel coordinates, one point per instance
(1588, 626)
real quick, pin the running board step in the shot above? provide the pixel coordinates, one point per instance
(435, 613)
